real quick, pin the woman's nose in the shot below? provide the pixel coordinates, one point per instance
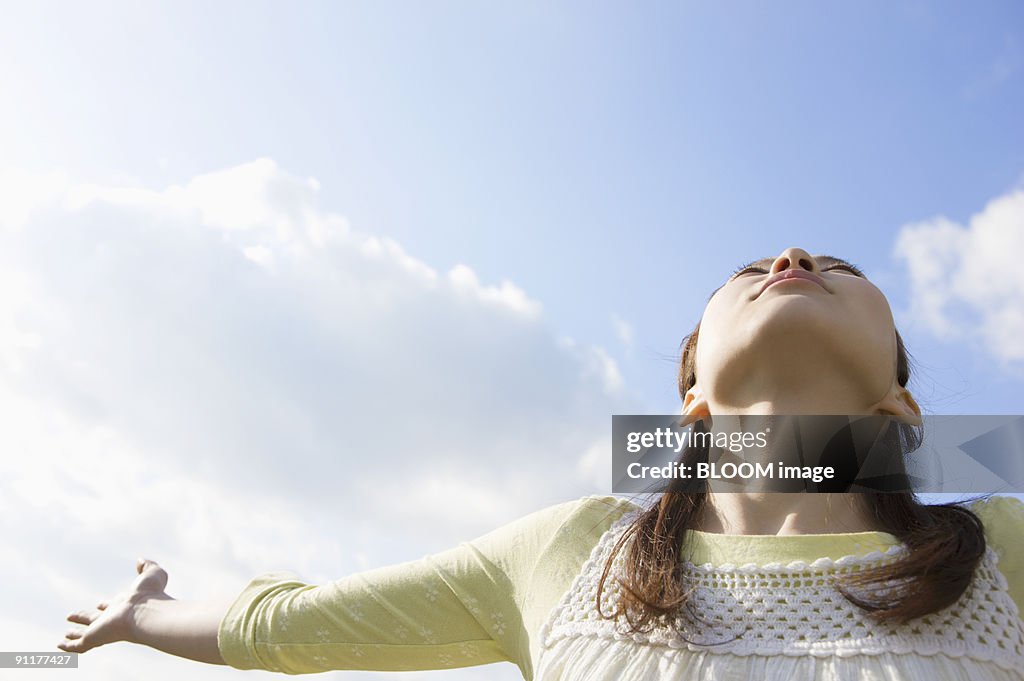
(794, 258)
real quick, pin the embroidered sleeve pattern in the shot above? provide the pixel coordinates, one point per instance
(400, 617)
(457, 608)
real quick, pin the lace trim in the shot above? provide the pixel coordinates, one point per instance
(799, 565)
(936, 650)
(793, 609)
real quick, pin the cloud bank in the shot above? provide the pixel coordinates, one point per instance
(967, 283)
(224, 378)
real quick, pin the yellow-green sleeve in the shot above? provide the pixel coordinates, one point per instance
(1003, 518)
(541, 565)
(456, 608)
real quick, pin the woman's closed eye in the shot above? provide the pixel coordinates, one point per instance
(841, 266)
(838, 266)
(747, 270)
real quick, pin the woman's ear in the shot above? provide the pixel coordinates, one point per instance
(900, 404)
(695, 406)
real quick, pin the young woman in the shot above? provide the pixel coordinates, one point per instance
(701, 585)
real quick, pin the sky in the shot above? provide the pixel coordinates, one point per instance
(269, 267)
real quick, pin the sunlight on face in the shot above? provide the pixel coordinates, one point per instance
(824, 318)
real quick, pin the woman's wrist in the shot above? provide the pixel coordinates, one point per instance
(140, 619)
(183, 628)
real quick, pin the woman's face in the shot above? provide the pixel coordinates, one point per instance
(796, 321)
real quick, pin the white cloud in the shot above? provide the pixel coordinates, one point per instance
(261, 255)
(508, 295)
(224, 378)
(596, 463)
(606, 367)
(21, 191)
(597, 363)
(624, 331)
(966, 280)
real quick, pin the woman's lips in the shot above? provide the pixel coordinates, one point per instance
(792, 274)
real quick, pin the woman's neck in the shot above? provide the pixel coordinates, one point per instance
(777, 513)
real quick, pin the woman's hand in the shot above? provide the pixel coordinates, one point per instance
(115, 619)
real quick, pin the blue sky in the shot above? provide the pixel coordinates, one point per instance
(609, 161)
(590, 173)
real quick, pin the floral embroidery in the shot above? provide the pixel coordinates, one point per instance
(498, 623)
(472, 604)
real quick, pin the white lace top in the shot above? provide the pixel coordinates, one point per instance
(781, 621)
(524, 593)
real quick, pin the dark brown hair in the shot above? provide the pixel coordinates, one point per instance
(945, 542)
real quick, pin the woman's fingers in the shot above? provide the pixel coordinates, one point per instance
(143, 564)
(78, 645)
(83, 617)
(74, 642)
(151, 577)
(107, 623)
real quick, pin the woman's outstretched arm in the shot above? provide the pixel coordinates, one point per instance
(146, 614)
